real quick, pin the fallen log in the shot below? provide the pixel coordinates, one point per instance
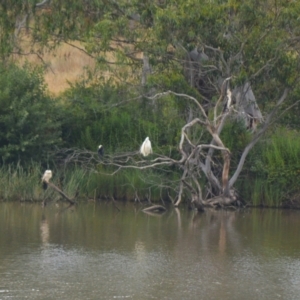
(155, 214)
(155, 208)
(220, 200)
(72, 202)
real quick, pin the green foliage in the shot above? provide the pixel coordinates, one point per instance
(252, 36)
(93, 117)
(235, 135)
(28, 116)
(272, 172)
(256, 40)
(282, 159)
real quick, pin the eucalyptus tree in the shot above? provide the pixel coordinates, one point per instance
(197, 55)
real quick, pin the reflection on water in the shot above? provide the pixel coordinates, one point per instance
(93, 251)
(44, 226)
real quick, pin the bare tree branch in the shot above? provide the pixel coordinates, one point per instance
(256, 138)
(41, 3)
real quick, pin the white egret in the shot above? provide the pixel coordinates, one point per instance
(46, 177)
(146, 148)
(100, 151)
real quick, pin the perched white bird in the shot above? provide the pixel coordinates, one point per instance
(46, 177)
(146, 148)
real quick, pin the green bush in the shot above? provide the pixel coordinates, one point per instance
(271, 173)
(29, 125)
(93, 116)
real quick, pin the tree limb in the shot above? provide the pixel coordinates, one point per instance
(41, 3)
(256, 138)
(60, 192)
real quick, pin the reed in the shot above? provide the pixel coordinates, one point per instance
(126, 185)
(24, 184)
(19, 183)
(271, 176)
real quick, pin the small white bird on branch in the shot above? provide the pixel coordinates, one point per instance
(46, 177)
(146, 148)
(46, 181)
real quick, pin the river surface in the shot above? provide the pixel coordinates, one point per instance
(95, 251)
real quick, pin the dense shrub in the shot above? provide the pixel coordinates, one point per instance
(109, 115)
(29, 125)
(271, 173)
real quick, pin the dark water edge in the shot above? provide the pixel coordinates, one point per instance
(293, 205)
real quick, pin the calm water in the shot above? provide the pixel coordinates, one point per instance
(93, 251)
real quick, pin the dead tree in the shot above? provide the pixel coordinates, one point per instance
(198, 158)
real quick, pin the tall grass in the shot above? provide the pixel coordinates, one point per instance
(126, 185)
(18, 183)
(24, 184)
(272, 173)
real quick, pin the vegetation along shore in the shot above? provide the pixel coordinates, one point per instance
(213, 85)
